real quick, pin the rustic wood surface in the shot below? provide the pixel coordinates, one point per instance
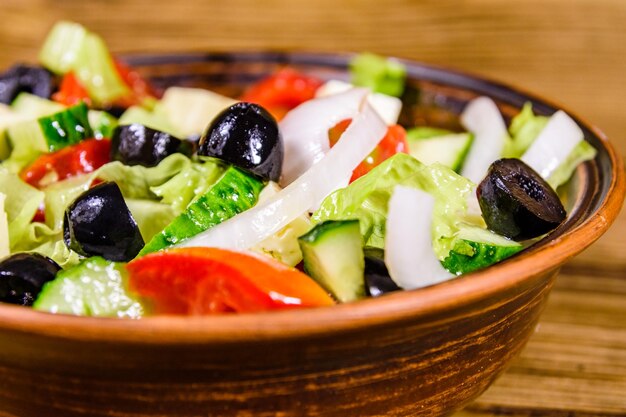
(573, 51)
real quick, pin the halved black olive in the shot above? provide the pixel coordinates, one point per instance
(136, 144)
(247, 136)
(98, 223)
(377, 279)
(23, 275)
(24, 78)
(516, 202)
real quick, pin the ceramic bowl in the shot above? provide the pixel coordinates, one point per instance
(415, 353)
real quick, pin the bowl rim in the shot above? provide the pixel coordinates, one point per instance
(404, 305)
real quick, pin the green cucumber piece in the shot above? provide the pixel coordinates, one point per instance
(235, 192)
(477, 248)
(382, 75)
(333, 256)
(67, 127)
(96, 287)
(449, 149)
(33, 106)
(102, 123)
(190, 110)
(71, 47)
(62, 46)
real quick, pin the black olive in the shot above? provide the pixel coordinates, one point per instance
(140, 145)
(247, 136)
(23, 275)
(516, 202)
(24, 78)
(98, 223)
(377, 279)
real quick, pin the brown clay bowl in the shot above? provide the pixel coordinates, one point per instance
(420, 353)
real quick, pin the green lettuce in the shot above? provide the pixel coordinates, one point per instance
(4, 229)
(367, 198)
(584, 151)
(382, 75)
(21, 203)
(154, 195)
(524, 129)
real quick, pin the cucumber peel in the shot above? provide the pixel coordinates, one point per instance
(233, 193)
(333, 256)
(96, 287)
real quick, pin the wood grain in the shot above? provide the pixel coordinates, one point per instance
(573, 51)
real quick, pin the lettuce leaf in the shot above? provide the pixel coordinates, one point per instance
(154, 195)
(382, 75)
(4, 229)
(367, 199)
(524, 129)
(21, 204)
(584, 151)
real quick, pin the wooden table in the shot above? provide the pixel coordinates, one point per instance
(571, 50)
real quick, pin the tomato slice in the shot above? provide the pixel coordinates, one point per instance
(200, 281)
(71, 92)
(282, 91)
(394, 142)
(139, 87)
(82, 158)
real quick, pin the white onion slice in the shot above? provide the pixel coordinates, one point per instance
(555, 142)
(388, 107)
(305, 130)
(409, 253)
(483, 119)
(254, 225)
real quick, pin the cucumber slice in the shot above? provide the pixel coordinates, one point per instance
(477, 248)
(333, 256)
(190, 110)
(96, 287)
(449, 149)
(102, 123)
(71, 47)
(33, 106)
(233, 193)
(67, 127)
(151, 119)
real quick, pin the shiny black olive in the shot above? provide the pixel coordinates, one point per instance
(516, 202)
(24, 78)
(377, 279)
(98, 223)
(247, 136)
(23, 275)
(140, 145)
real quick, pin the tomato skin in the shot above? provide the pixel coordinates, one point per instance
(394, 142)
(71, 92)
(282, 91)
(140, 88)
(82, 158)
(200, 281)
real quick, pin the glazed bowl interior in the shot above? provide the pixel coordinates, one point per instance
(434, 97)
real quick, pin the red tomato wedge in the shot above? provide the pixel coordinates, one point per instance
(282, 91)
(71, 92)
(82, 158)
(200, 281)
(139, 87)
(394, 142)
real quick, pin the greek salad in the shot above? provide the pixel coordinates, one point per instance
(117, 200)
